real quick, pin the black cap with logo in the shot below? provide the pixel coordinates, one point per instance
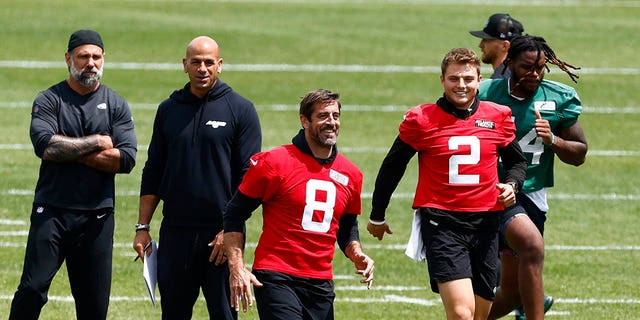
(500, 26)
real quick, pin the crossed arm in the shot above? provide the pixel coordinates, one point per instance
(95, 151)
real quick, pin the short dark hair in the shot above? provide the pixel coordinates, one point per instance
(319, 95)
(460, 56)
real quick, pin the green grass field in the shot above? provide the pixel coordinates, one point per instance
(381, 56)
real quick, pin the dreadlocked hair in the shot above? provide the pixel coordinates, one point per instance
(525, 43)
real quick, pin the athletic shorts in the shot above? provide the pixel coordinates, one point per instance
(523, 205)
(455, 253)
(287, 297)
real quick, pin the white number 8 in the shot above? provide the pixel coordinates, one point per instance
(312, 205)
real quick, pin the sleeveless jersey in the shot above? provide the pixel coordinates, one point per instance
(556, 102)
(302, 202)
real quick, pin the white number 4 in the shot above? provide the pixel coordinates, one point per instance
(531, 143)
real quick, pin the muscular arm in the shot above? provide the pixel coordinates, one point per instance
(571, 145)
(147, 206)
(95, 151)
(105, 160)
(67, 149)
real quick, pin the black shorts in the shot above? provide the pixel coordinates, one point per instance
(457, 253)
(287, 297)
(523, 205)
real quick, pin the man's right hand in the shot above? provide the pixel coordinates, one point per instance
(240, 280)
(141, 240)
(378, 230)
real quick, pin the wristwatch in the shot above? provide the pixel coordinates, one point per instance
(140, 226)
(514, 185)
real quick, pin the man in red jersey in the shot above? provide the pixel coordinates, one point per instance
(310, 196)
(458, 198)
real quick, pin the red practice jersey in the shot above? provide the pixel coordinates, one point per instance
(302, 202)
(458, 158)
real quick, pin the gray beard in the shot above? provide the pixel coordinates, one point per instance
(86, 81)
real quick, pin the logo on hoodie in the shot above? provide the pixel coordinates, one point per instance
(215, 124)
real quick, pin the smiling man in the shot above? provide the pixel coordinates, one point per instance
(203, 137)
(458, 198)
(310, 196)
(546, 115)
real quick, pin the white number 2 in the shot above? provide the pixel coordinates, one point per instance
(472, 158)
(313, 205)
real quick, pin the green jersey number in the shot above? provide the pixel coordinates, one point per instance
(531, 143)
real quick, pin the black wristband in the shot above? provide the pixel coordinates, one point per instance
(140, 226)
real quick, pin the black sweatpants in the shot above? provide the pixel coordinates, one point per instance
(84, 240)
(184, 268)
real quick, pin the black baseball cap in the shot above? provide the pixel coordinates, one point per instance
(500, 26)
(81, 37)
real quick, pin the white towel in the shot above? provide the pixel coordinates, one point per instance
(415, 247)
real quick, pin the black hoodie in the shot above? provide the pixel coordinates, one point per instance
(199, 151)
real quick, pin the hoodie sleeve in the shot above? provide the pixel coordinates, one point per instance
(156, 159)
(248, 141)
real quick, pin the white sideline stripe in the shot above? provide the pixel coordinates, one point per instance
(358, 108)
(20, 233)
(370, 108)
(392, 298)
(385, 299)
(383, 150)
(268, 67)
(368, 195)
(380, 288)
(12, 222)
(127, 251)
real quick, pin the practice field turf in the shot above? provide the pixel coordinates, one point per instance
(383, 57)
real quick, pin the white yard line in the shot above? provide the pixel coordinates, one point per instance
(268, 67)
(369, 150)
(346, 107)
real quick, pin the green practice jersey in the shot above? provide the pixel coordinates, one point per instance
(556, 102)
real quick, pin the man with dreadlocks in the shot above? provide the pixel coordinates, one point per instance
(546, 116)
